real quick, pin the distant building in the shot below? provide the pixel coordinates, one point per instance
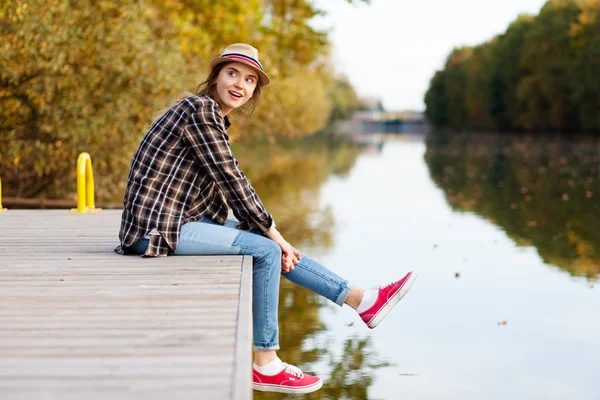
(391, 122)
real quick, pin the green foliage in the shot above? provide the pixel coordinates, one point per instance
(343, 98)
(540, 75)
(89, 75)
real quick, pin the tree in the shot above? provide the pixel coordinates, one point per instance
(89, 75)
(75, 78)
(540, 75)
(544, 95)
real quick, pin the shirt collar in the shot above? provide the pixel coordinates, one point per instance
(225, 118)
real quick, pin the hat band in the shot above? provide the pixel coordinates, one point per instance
(244, 58)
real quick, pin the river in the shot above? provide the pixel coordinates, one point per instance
(504, 233)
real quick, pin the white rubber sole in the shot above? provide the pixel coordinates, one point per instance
(280, 389)
(392, 301)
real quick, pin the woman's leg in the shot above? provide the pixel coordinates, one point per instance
(208, 237)
(312, 275)
(373, 305)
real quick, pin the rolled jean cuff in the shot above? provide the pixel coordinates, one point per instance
(265, 347)
(341, 298)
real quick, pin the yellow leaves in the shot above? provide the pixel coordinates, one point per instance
(89, 71)
(16, 160)
(46, 128)
(108, 5)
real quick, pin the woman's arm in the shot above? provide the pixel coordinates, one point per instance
(207, 138)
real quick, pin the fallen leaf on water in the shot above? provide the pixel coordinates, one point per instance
(503, 322)
(408, 374)
(349, 324)
(456, 274)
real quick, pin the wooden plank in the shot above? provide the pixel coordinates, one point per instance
(242, 372)
(79, 321)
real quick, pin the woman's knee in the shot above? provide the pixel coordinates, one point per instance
(270, 252)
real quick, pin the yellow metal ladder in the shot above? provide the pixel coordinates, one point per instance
(85, 186)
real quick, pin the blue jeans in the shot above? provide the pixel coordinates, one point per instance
(208, 237)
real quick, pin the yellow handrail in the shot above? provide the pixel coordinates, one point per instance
(1, 209)
(85, 186)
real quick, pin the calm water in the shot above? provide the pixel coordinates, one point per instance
(505, 236)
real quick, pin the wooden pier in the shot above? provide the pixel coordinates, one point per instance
(78, 321)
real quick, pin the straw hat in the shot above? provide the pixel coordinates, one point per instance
(244, 53)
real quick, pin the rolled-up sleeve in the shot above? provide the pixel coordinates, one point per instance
(207, 138)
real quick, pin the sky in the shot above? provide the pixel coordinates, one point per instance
(390, 49)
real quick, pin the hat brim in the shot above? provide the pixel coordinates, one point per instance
(264, 78)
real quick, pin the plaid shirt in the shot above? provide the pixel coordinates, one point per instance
(183, 171)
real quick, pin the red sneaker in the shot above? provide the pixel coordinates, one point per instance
(290, 380)
(389, 295)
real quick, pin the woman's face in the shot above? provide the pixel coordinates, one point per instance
(235, 85)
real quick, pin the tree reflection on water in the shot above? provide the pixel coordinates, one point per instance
(542, 190)
(350, 373)
(288, 177)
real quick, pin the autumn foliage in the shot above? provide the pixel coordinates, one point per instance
(89, 75)
(541, 75)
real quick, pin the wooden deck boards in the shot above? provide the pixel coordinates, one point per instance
(78, 321)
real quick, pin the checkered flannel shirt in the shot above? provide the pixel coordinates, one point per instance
(183, 171)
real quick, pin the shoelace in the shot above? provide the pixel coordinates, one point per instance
(384, 286)
(293, 370)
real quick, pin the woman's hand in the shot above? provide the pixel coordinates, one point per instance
(289, 259)
(289, 255)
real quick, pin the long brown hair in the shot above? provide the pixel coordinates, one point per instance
(209, 87)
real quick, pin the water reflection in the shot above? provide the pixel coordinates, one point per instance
(543, 191)
(349, 374)
(288, 176)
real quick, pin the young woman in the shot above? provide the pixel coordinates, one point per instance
(182, 180)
